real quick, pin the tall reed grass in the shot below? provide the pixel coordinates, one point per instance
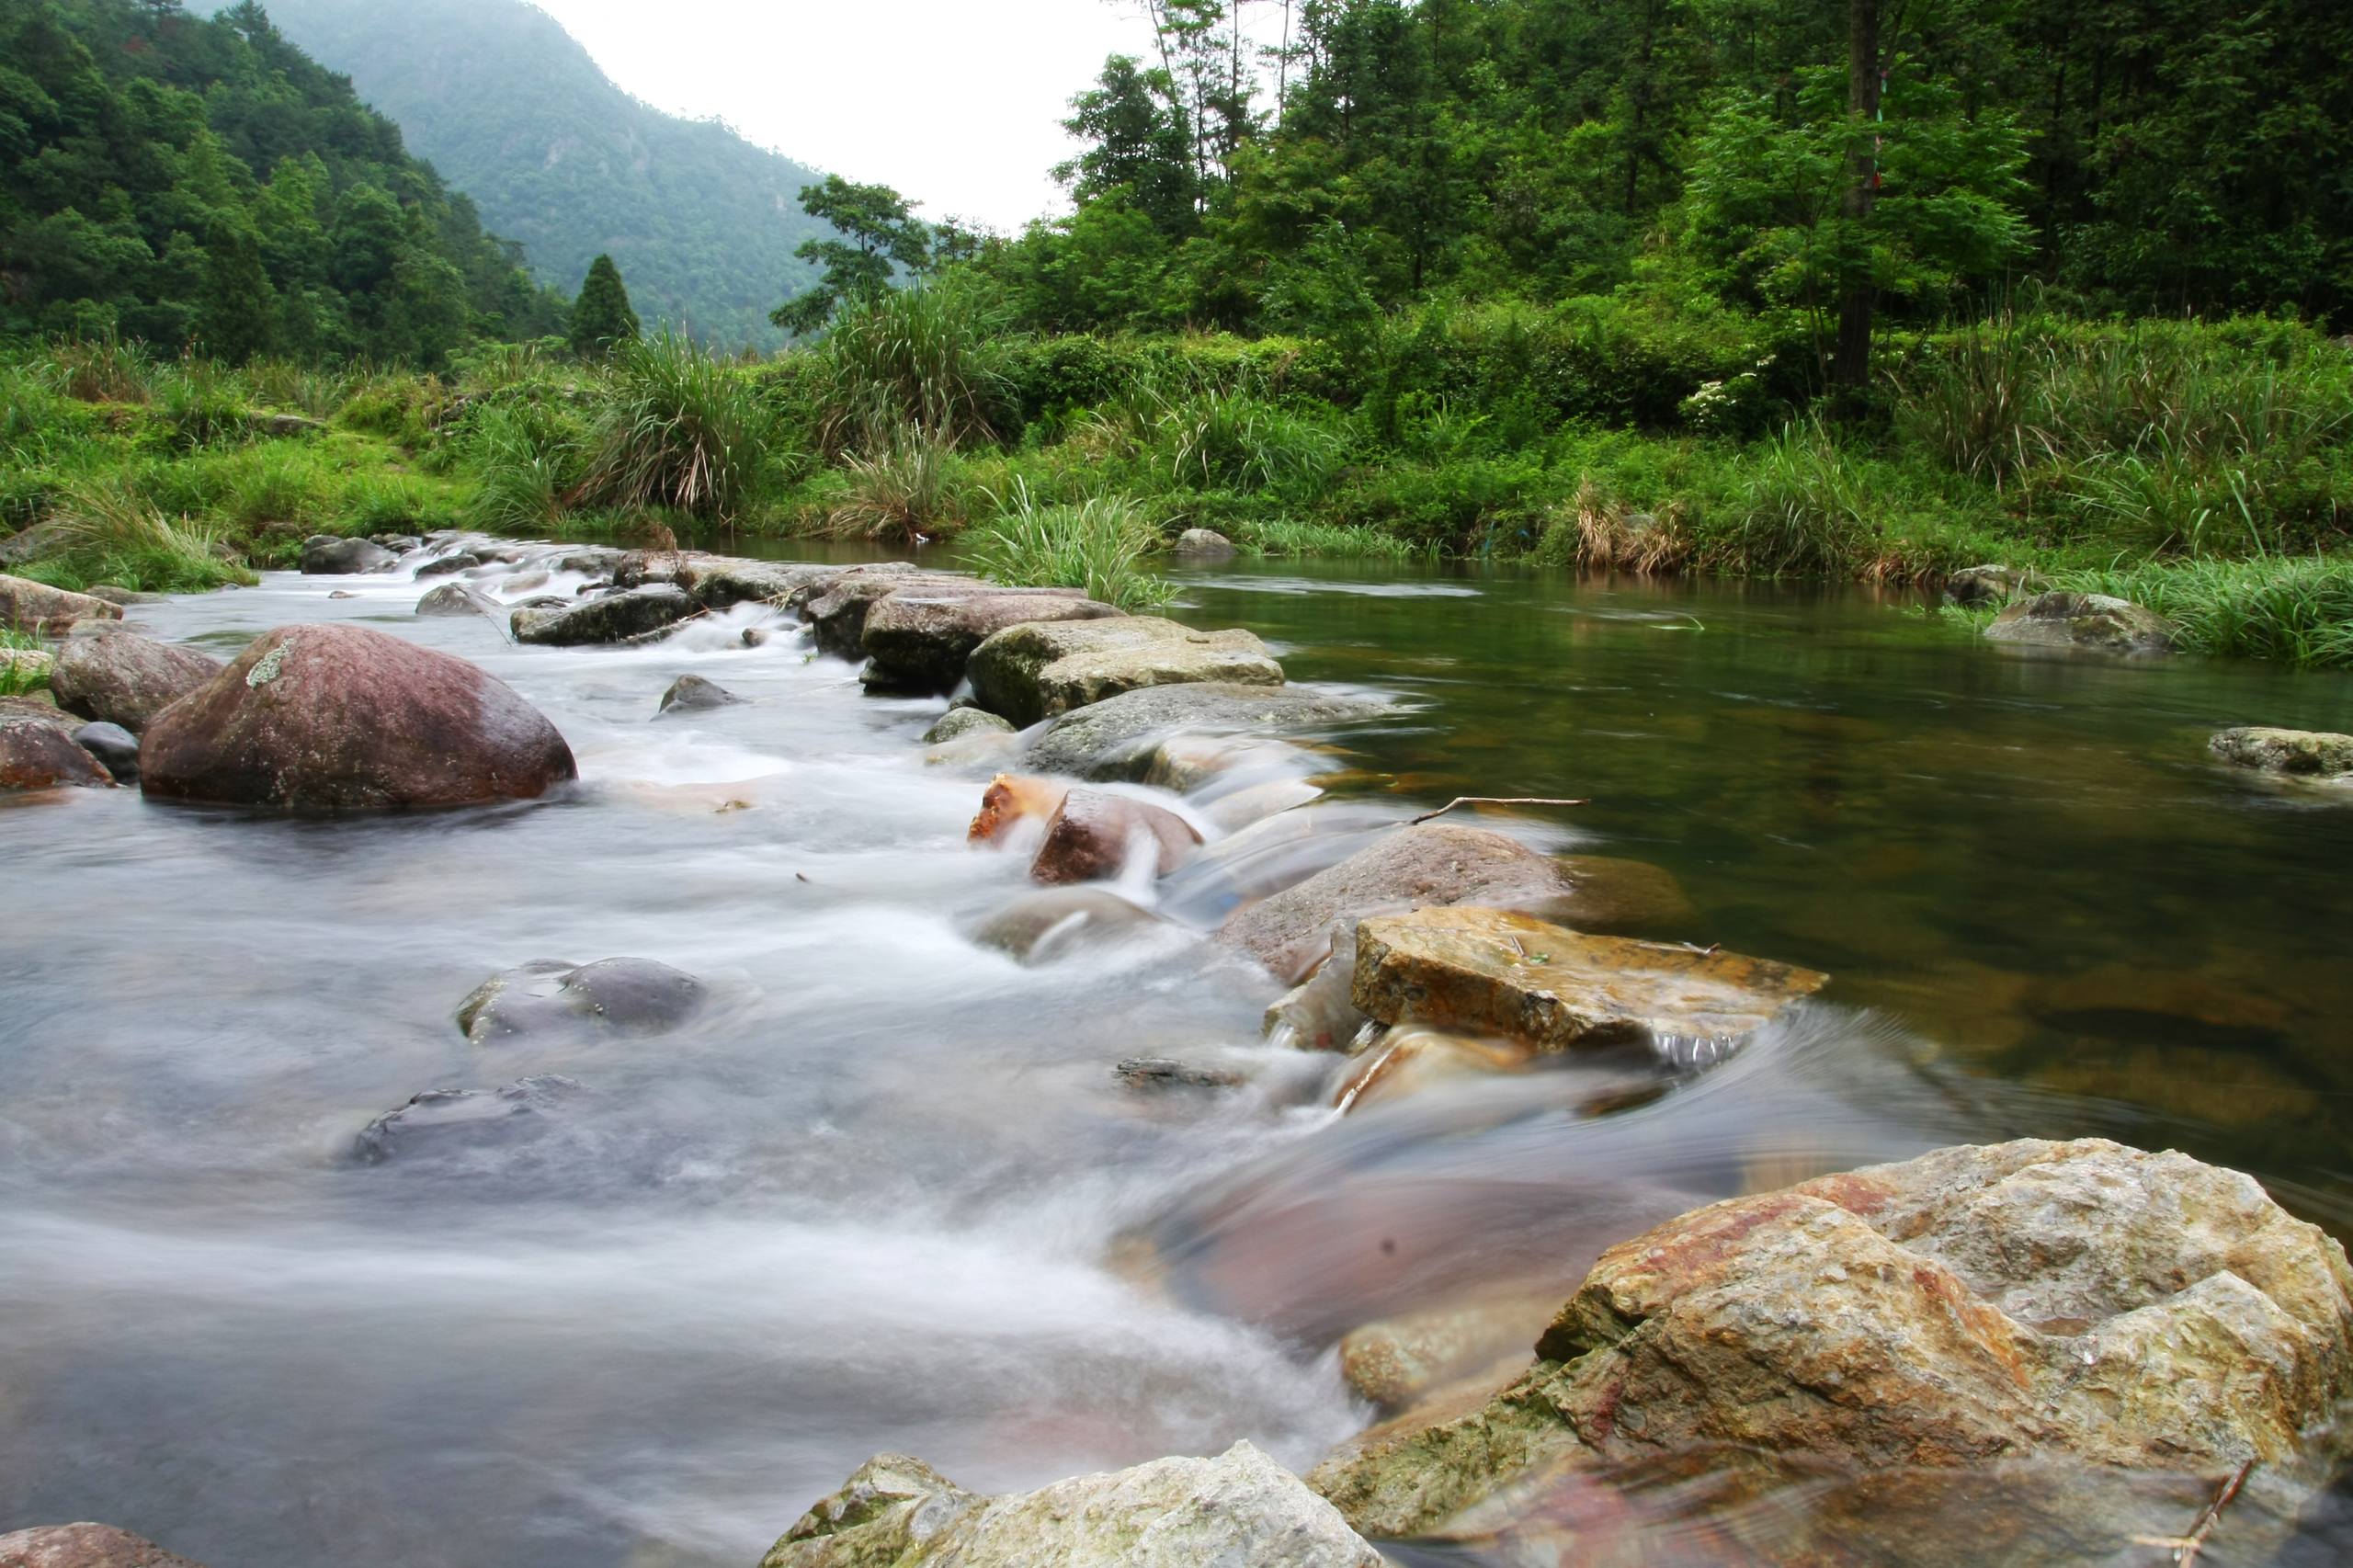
(928, 359)
(2298, 609)
(1098, 544)
(677, 429)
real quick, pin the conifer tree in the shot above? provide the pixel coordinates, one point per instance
(601, 316)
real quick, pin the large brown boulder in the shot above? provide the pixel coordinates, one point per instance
(1413, 867)
(920, 637)
(27, 605)
(1032, 672)
(84, 1546)
(123, 678)
(340, 718)
(2077, 1303)
(38, 754)
(1092, 836)
(1488, 971)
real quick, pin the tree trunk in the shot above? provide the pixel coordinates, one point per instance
(1850, 369)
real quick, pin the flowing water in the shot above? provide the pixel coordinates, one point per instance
(886, 1193)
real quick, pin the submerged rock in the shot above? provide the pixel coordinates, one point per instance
(27, 605)
(608, 618)
(325, 555)
(1203, 544)
(2079, 1302)
(1092, 836)
(124, 678)
(38, 754)
(84, 1546)
(1395, 1362)
(456, 599)
(466, 1119)
(1121, 736)
(622, 996)
(691, 694)
(116, 748)
(1414, 867)
(1238, 1510)
(1155, 1073)
(920, 637)
(958, 722)
(341, 718)
(443, 566)
(1041, 927)
(1491, 973)
(1033, 672)
(2084, 620)
(2306, 753)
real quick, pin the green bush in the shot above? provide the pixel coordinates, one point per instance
(526, 459)
(928, 359)
(677, 429)
(108, 532)
(1098, 544)
(2294, 608)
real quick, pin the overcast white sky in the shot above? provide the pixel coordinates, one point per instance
(956, 103)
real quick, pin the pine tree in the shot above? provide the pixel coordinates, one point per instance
(601, 316)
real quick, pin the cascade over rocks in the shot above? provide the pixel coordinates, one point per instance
(2084, 620)
(456, 599)
(1034, 672)
(1413, 867)
(84, 1546)
(123, 678)
(920, 637)
(326, 555)
(547, 996)
(608, 618)
(2313, 753)
(2079, 1302)
(341, 718)
(1486, 972)
(1121, 736)
(1238, 1510)
(1090, 836)
(451, 1120)
(27, 605)
(39, 755)
(1053, 923)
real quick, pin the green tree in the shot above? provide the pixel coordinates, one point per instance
(880, 234)
(601, 316)
(237, 315)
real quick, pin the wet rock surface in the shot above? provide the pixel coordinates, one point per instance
(27, 605)
(1119, 736)
(1492, 973)
(2083, 620)
(1203, 546)
(2310, 753)
(1433, 864)
(124, 678)
(1033, 672)
(552, 998)
(958, 723)
(693, 694)
(456, 599)
(1240, 1508)
(2077, 1301)
(325, 555)
(84, 1546)
(835, 605)
(38, 754)
(1011, 800)
(608, 618)
(445, 1121)
(919, 638)
(1158, 1073)
(116, 748)
(1989, 585)
(1093, 837)
(1041, 927)
(341, 718)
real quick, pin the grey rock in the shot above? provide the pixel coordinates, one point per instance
(1203, 544)
(116, 748)
(2314, 754)
(30, 544)
(1153, 1072)
(690, 694)
(610, 618)
(1041, 927)
(717, 582)
(617, 996)
(592, 561)
(1238, 1510)
(836, 606)
(2083, 620)
(958, 722)
(399, 544)
(920, 637)
(116, 595)
(1119, 736)
(84, 1546)
(443, 566)
(280, 426)
(124, 678)
(324, 555)
(1034, 672)
(456, 599)
(441, 1119)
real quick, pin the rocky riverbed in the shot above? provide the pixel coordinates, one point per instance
(880, 1095)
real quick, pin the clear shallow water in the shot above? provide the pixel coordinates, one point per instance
(886, 1192)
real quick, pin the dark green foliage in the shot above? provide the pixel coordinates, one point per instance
(193, 182)
(880, 237)
(601, 316)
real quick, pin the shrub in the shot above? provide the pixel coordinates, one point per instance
(1098, 544)
(906, 495)
(677, 430)
(100, 369)
(1596, 533)
(928, 358)
(526, 459)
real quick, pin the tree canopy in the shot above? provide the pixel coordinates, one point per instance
(880, 237)
(601, 316)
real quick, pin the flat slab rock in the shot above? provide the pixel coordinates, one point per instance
(27, 605)
(1978, 1306)
(1238, 1510)
(608, 618)
(1488, 971)
(920, 637)
(2314, 754)
(2083, 620)
(1120, 737)
(1032, 672)
(84, 1546)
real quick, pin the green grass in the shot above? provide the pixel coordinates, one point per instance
(18, 679)
(1100, 545)
(926, 358)
(677, 429)
(108, 532)
(2297, 609)
(1338, 541)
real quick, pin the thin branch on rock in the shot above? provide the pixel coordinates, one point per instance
(1494, 801)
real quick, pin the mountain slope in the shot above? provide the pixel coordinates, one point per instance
(510, 110)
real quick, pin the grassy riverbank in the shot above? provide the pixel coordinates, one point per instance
(2205, 469)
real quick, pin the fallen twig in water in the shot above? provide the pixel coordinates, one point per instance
(1494, 801)
(2186, 1548)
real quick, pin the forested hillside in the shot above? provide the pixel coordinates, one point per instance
(509, 108)
(195, 182)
